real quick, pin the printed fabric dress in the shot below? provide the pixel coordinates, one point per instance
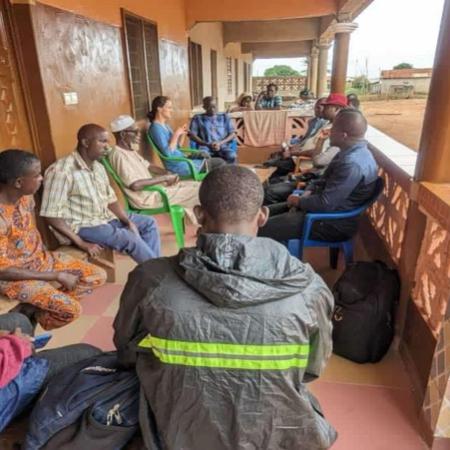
(21, 246)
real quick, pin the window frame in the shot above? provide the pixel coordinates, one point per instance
(195, 56)
(214, 81)
(143, 21)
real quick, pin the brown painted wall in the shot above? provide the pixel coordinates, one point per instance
(173, 60)
(79, 54)
(418, 345)
(83, 56)
(168, 14)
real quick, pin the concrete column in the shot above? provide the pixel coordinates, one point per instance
(340, 55)
(308, 73)
(322, 69)
(314, 63)
(433, 161)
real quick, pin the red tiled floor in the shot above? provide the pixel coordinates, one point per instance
(101, 334)
(98, 302)
(369, 417)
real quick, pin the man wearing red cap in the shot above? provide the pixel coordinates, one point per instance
(332, 105)
(321, 152)
(348, 182)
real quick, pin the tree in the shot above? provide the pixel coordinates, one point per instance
(403, 66)
(281, 71)
(361, 82)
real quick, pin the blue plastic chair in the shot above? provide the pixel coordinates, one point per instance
(296, 246)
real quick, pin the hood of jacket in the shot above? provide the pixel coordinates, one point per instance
(238, 271)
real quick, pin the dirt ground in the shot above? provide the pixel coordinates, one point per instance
(400, 119)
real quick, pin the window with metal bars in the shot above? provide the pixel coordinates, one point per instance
(196, 73)
(141, 37)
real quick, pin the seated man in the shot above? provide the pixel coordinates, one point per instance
(48, 284)
(348, 182)
(314, 144)
(269, 99)
(135, 172)
(79, 203)
(226, 335)
(213, 132)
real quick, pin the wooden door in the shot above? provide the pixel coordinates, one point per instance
(14, 125)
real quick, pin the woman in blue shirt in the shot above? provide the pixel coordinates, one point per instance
(168, 141)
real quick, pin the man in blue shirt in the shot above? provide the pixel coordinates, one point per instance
(214, 132)
(348, 182)
(269, 99)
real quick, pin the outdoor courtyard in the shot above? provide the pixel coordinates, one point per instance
(401, 119)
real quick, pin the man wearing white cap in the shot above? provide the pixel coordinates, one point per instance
(136, 172)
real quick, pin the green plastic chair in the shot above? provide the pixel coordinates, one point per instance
(195, 174)
(176, 211)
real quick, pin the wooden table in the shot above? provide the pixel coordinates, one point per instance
(263, 173)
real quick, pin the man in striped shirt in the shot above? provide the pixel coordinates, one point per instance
(79, 203)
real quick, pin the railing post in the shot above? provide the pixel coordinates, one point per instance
(433, 166)
(434, 152)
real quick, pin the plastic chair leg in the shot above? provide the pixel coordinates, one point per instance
(348, 252)
(334, 257)
(177, 216)
(293, 247)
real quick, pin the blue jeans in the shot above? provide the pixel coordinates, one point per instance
(117, 236)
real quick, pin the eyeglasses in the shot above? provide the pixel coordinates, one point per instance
(132, 130)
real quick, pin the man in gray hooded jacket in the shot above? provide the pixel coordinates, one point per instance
(226, 334)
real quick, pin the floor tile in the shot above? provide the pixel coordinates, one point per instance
(388, 372)
(100, 300)
(72, 333)
(441, 444)
(123, 267)
(113, 307)
(370, 418)
(100, 333)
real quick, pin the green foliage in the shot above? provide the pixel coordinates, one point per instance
(403, 65)
(361, 83)
(281, 71)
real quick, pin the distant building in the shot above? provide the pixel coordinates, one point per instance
(374, 87)
(405, 81)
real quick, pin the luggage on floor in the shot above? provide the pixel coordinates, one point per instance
(363, 321)
(21, 391)
(93, 404)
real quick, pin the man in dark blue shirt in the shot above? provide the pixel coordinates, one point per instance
(348, 182)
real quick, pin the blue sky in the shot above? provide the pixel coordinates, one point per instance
(390, 32)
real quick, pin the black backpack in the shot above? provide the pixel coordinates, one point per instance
(93, 404)
(365, 297)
